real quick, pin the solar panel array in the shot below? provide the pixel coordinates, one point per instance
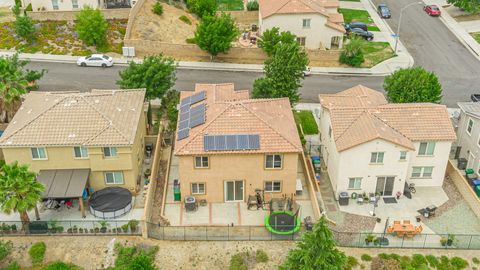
(231, 142)
(191, 116)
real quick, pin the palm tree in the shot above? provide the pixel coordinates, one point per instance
(19, 190)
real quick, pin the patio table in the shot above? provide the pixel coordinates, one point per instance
(404, 229)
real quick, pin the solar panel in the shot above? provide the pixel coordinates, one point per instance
(182, 134)
(198, 109)
(184, 116)
(254, 141)
(183, 124)
(197, 97)
(242, 141)
(209, 143)
(220, 143)
(185, 101)
(231, 142)
(196, 121)
(184, 108)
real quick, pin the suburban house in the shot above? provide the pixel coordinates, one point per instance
(468, 134)
(372, 146)
(316, 23)
(71, 5)
(229, 145)
(94, 139)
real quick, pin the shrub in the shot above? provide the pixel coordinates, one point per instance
(29, 7)
(37, 252)
(60, 266)
(252, 5)
(12, 266)
(352, 262)
(24, 27)
(366, 258)
(190, 40)
(432, 260)
(237, 262)
(418, 260)
(458, 263)
(91, 26)
(475, 260)
(5, 249)
(261, 256)
(157, 8)
(185, 19)
(352, 53)
(383, 264)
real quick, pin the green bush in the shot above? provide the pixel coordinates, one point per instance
(458, 263)
(418, 260)
(352, 53)
(12, 266)
(37, 252)
(60, 266)
(185, 19)
(366, 258)
(29, 7)
(190, 40)
(5, 249)
(252, 5)
(432, 260)
(237, 262)
(261, 256)
(158, 8)
(352, 262)
(475, 260)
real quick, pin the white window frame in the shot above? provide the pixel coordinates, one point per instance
(202, 160)
(115, 174)
(302, 41)
(429, 149)
(55, 7)
(377, 160)
(110, 152)
(196, 190)
(277, 161)
(306, 23)
(82, 150)
(39, 157)
(273, 187)
(357, 183)
(422, 172)
(403, 155)
(469, 127)
(75, 4)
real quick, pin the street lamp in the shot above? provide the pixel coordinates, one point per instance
(397, 36)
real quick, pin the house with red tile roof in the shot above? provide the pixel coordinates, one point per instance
(229, 145)
(372, 146)
(316, 23)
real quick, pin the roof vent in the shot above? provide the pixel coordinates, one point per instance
(29, 111)
(9, 142)
(97, 101)
(118, 109)
(71, 136)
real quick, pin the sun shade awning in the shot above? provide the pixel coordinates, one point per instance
(63, 183)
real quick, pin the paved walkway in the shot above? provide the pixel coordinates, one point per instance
(471, 26)
(351, 5)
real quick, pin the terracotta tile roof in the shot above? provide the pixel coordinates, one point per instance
(96, 118)
(336, 26)
(360, 114)
(232, 112)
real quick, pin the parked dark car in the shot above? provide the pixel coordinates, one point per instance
(475, 97)
(384, 11)
(352, 25)
(361, 33)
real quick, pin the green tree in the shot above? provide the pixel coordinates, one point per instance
(156, 73)
(24, 28)
(283, 73)
(19, 190)
(14, 82)
(352, 53)
(316, 251)
(91, 27)
(252, 5)
(158, 8)
(413, 85)
(471, 6)
(270, 38)
(202, 7)
(215, 34)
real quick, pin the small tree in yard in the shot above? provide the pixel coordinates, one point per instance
(5, 249)
(202, 7)
(24, 28)
(271, 37)
(156, 74)
(283, 73)
(352, 53)
(19, 190)
(215, 34)
(91, 27)
(413, 85)
(157, 8)
(252, 5)
(471, 6)
(316, 251)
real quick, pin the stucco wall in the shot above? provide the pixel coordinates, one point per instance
(247, 167)
(120, 13)
(63, 5)
(318, 35)
(469, 142)
(439, 162)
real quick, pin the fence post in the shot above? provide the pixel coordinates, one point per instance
(403, 239)
(228, 232)
(206, 233)
(425, 241)
(470, 242)
(184, 234)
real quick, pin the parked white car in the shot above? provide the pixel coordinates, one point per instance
(95, 60)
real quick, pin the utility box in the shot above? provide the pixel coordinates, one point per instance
(343, 198)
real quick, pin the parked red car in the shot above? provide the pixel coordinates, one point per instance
(432, 10)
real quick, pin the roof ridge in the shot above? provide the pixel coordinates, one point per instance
(387, 124)
(280, 7)
(350, 125)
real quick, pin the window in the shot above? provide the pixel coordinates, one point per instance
(198, 188)
(109, 151)
(39, 153)
(114, 178)
(306, 23)
(355, 183)
(273, 162)
(377, 157)
(403, 155)
(470, 126)
(201, 162)
(426, 149)
(55, 4)
(301, 40)
(273, 186)
(75, 3)
(422, 172)
(80, 151)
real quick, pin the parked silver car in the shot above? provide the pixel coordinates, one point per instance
(95, 60)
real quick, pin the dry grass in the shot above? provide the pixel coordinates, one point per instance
(467, 17)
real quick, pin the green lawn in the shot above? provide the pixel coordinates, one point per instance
(227, 5)
(307, 121)
(376, 52)
(355, 15)
(476, 36)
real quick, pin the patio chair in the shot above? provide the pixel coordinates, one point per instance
(390, 229)
(419, 229)
(360, 200)
(405, 222)
(396, 222)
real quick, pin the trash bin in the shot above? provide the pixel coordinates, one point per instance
(476, 182)
(477, 191)
(343, 198)
(462, 163)
(176, 191)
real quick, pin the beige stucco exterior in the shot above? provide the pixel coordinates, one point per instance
(128, 160)
(249, 168)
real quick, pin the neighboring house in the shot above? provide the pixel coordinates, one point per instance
(62, 134)
(316, 23)
(468, 134)
(372, 146)
(229, 145)
(69, 5)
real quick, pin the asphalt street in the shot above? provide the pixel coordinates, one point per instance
(431, 43)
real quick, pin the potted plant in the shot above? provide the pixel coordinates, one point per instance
(85, 230)
(59, 229)
(97, 230)
(369, 239)
(133, 225)
(69, 230)
(14, 228)
(52, 224)
(450, 239)
(125, 228)
(365, 197)
(398, 194)
(103, 226)
(5, 228)
(75, 229)
(80, 230)
(376, 241)
(114, 230)
(91, 230)
(443, 241)
(147, 173)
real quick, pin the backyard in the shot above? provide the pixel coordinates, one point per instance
(355, 15)
(306, 120)
(59, 37)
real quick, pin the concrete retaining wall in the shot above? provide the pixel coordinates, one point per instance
(120, 13)
(464, 188)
